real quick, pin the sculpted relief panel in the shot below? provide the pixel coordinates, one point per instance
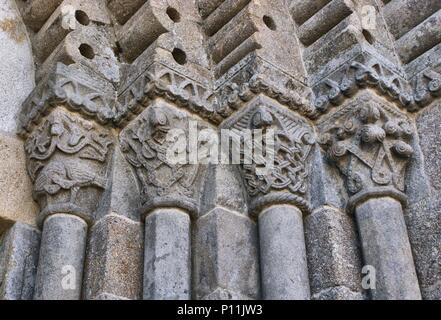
(370, 143)
(157, 145)
(278, 171)
(66, 155)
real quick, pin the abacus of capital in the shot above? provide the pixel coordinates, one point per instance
(92, 206)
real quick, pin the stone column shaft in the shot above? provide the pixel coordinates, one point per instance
(386, 247)
(283, 254)
(61, 262)
(167, 271)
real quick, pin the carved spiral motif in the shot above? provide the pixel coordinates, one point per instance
(392, 128)
(369, 114)
(337, 150)
(434, 85)
(403, 149)
(347, 86)
(372, 133)
(398, 128)
(322, 103)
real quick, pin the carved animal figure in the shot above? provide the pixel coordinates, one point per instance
(58, 175)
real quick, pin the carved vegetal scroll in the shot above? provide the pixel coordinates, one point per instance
(65, 155)
(370, 144)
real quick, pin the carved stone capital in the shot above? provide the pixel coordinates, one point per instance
(286, 181)
(67, 162)
(369, 142)
(157, 145)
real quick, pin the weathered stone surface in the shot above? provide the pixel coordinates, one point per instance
(223, 188)
(283, 254)
(423, 212)
(61, 260)
(334, 259)
(116, 78)
(428, 129)
(16, 65)
(423, 219)
(386, 247)
(122, 198)
(167, 265)
(223, 294)
(225, 256)
(338, 293)
(15, 185)
(114, 259)
(19, 248)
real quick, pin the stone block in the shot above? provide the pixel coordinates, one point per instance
(122, 198)
(334, 259)
(429, 127)
(167, 265)
(225, 256)
(423, 219)
(338, 293)
(16, 65)
(114, 260)
(223, 188)
(224, 294)
(15, 185)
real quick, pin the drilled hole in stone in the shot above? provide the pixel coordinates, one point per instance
(173, 14)
(82, 17)
(179, 56)
(269, 22)
(368, 36)
(87, 51)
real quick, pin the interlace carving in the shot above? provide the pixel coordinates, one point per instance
(287, 179)
(292, 146)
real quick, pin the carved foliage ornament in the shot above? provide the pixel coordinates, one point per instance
(69, 136)
(370, 145)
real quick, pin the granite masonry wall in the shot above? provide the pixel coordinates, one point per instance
(91, 207)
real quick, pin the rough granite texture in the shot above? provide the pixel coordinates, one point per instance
(94, 93)
(15, 185)
(60, 266)
(18, 262)
(16, 65)
(283, 254)
(16, 83)
(167, 255)
(226, 260)
(114, 259)
(333, 255)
